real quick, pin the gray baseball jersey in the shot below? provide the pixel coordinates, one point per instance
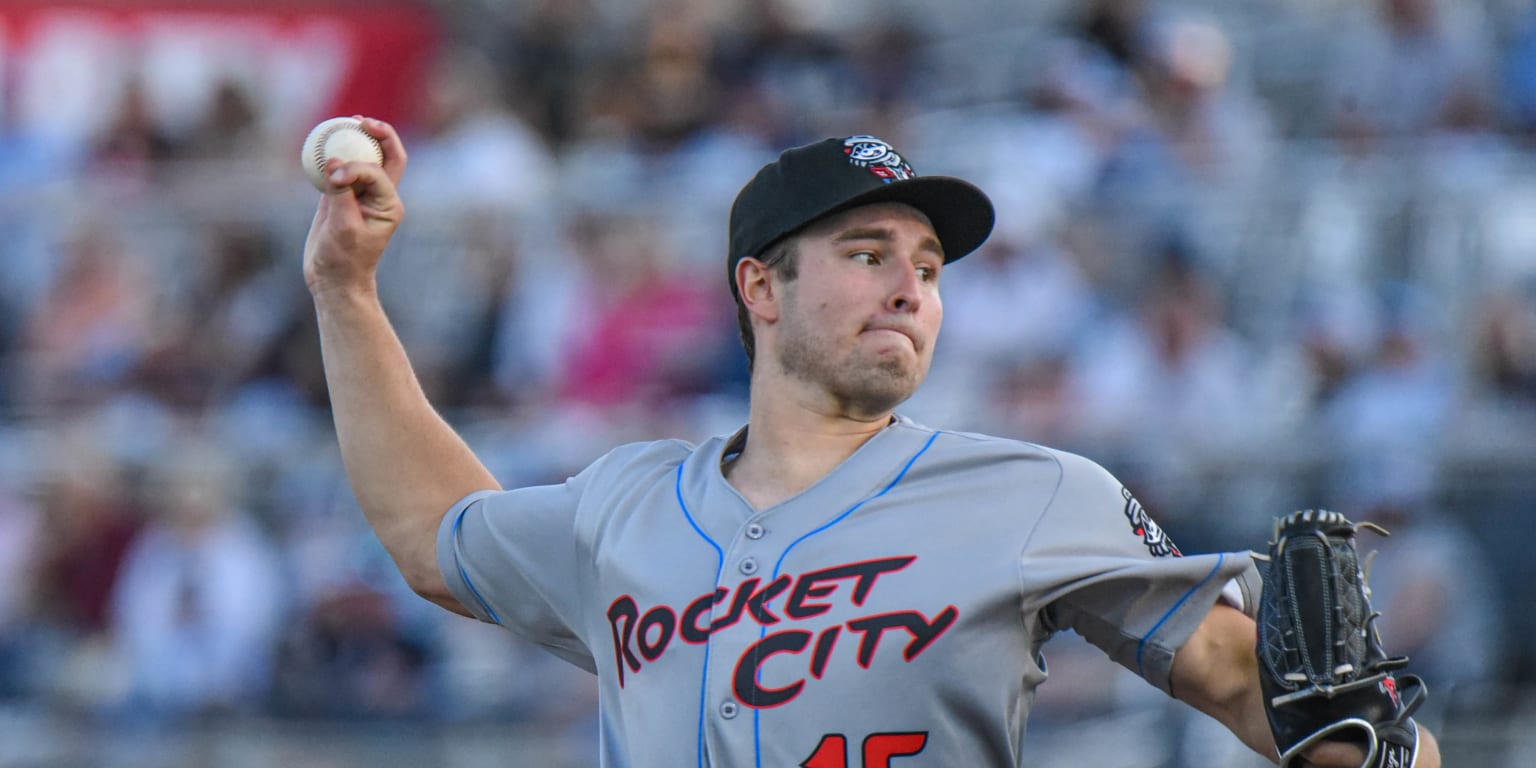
(891, 613)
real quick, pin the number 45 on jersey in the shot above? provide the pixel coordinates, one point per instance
(878, 750)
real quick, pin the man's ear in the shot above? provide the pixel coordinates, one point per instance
(754, 281)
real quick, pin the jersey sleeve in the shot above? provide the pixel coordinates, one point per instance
(510, 557)
(1111, 574)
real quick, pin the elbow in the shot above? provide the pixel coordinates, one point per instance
(410, 535)
(417, 564)
(418, 567)
(445, 600)
(429, 585)
(426, 582)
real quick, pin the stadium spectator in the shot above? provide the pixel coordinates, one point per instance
(1407, 42)
(197, 605)
(92, 328)
(88, 522)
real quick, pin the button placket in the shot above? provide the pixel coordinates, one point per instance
(723, 643)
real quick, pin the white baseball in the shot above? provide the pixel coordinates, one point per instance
(341, 137)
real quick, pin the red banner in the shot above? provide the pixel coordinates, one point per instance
(64, 64)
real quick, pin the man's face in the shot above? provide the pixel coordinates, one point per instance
(861, 319)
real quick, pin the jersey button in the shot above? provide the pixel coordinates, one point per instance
(755, 531)
(728, 709)
(748, 566)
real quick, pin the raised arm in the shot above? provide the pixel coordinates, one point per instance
(405, 463)
(1217, 672)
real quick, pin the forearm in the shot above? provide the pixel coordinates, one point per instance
(405, 463)
(1217, 673)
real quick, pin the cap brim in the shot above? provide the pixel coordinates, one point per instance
(961, 214)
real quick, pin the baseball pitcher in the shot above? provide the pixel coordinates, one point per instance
(834, 585)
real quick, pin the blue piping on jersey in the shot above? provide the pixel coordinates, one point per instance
(757, 738)
(1141, 645)
(677, 488)
(862, 502)
(458, 521)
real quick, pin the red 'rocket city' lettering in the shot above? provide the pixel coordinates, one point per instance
(640, 636)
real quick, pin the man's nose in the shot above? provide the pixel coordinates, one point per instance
(906, 292)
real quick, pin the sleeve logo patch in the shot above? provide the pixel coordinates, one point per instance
(1142, 524)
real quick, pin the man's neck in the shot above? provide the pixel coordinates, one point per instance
(791, 445)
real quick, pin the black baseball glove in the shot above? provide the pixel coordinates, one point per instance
(1321, 664)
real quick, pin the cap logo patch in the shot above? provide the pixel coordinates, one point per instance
(879, 157)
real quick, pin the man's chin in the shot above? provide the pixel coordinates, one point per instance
(879, 390)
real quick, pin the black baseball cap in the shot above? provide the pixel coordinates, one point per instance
(817, 180)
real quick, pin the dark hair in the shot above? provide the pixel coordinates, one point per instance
(782, 256)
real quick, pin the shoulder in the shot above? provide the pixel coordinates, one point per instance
(987, 461)
(1004, 450)
(641, 458)
(671, 451)
(1055, 478)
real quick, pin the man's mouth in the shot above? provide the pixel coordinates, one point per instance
(889, 329)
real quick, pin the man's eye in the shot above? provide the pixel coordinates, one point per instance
(928, 274)
(865, 257)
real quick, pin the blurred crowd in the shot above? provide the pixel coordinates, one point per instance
(1251, 256)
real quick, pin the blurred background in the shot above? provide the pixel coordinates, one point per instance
(1253, 255)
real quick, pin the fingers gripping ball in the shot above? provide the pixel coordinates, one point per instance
(1324, 672)
(340, 137)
